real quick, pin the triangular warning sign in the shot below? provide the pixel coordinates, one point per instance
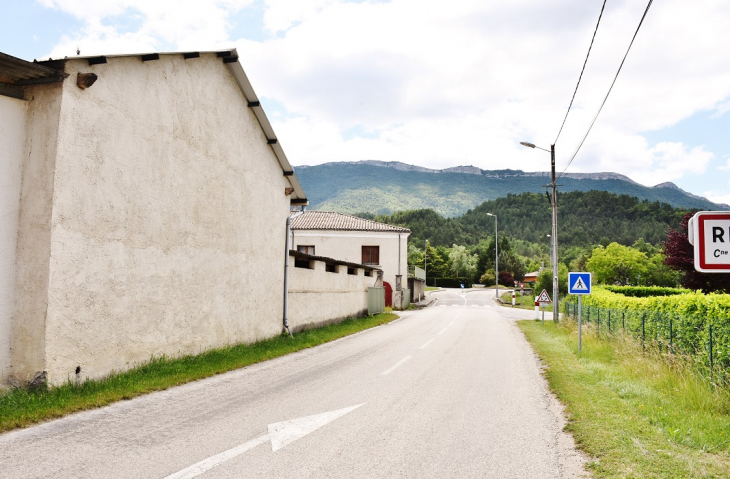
(544, 297)
(579, 285)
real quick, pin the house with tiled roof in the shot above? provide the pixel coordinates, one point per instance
(358, 240)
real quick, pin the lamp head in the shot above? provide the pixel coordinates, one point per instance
(527, 144)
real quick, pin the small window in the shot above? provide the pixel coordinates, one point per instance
(302, 263)
(352, 271)
(371, 255)
(306, 249)
(330, 268)
(368, 272)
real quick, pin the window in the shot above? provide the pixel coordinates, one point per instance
(330, 268)
(371, 255)
(306, 249)
(352, 271)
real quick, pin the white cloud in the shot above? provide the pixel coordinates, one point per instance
(157, 25)
(439, 84)
(726, 167)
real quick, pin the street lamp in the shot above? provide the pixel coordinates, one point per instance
(496, 257)
(554, 237)
(425, 259)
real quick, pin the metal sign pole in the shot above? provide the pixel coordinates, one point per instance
(580, 312)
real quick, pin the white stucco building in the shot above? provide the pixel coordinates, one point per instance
(143, 202)
(354, 239)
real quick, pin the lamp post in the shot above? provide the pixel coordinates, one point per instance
(554, 237)
(425, 259)
(496, 257)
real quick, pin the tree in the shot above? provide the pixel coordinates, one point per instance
(617, 264)
(679, 255)
(462, 264)
(415, 255)
(487, 278)
(545, 281)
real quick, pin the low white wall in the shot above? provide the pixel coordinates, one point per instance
(317, 296)
(12, 143)
(347, 246)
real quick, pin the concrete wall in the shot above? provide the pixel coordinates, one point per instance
(12, 147)
(317, 296)
(167, 224)
(347, 246)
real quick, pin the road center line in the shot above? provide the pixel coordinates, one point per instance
(427, 343)
(207, 464)
(443, 330)
(396, 366)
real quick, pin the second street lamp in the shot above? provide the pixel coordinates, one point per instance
(496, 257)
(554, 204)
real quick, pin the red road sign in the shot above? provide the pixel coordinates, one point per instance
(709, 232)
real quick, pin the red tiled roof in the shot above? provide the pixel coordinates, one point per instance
(330, 220)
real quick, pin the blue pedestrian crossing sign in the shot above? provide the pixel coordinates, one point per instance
(579, 283)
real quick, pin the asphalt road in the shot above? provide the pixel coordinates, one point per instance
(449, 391)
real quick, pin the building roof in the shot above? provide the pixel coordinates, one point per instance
(330, 220)
(22, 72)
(16, 73)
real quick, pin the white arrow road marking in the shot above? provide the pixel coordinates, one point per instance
(280, 434)
(283, 433)
(399, 363)
(206, 464)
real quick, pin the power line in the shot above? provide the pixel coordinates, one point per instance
(609, 89)
(581, 71)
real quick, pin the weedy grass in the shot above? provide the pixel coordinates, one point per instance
(637, 414)
(21, 408)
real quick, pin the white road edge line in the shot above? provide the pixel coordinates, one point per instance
(396, 366)
(443, 330)
(207, 464)
(427, 343)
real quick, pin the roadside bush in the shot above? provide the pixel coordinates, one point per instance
(645, 291)
(686, 324)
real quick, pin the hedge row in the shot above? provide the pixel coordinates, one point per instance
(693, 324)
(645, 291)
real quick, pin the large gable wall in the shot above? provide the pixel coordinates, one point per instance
(168, 217)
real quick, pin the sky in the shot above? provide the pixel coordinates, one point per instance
(440, 84)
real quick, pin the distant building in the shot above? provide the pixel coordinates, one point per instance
(349, 238)
(531, 277)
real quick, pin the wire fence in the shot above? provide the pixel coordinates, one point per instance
(702, 340)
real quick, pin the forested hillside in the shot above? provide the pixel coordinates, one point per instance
(385, 188)
(584, 219)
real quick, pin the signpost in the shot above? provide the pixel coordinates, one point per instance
(709, 233)
(579, 284)
(540, 302)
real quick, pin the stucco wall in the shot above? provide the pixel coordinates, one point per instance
(347, 246)
(168, 219)
(12, 146)
(34, 230)
(317, 296)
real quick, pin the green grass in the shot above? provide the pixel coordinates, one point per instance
(637, 415)
(21, 408)
(432, 288)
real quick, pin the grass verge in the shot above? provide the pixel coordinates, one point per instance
(21, 408)
(637, 415)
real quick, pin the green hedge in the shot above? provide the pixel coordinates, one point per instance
(681, 323)
(646, 291)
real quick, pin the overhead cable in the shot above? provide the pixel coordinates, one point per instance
(609, 90)
(581, 71)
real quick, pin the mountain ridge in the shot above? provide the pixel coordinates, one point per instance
(379, 187)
